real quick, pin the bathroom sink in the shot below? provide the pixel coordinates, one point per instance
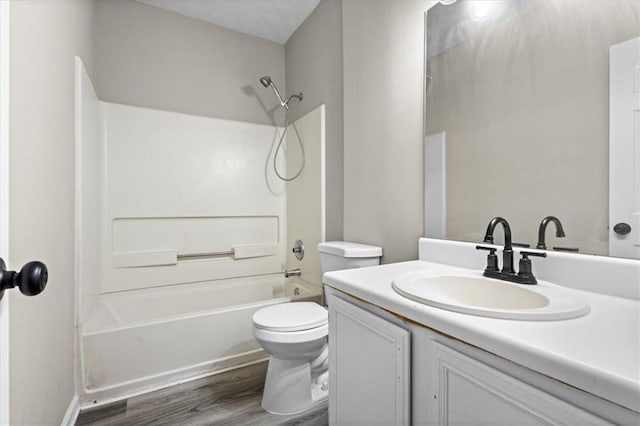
(476, 295)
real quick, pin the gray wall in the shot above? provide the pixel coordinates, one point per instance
(374, 159)
(383, 50)
(150, 57)
(313, 57)
(45, 36)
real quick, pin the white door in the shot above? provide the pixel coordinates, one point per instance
(4, 206)
(624, 149)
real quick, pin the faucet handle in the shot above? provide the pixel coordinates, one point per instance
(525, 271)
(492, 258)
(525, 254)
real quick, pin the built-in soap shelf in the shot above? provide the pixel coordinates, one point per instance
(139, 242)
(172, 257)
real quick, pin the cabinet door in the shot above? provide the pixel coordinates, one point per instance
(368, 368)
(466, 391)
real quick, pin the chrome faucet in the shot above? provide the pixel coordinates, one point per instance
(543, 228)
(292, 273)
(508, 273)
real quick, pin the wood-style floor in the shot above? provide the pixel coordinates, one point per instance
(231, 398)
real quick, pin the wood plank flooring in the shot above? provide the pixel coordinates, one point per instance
(231, 398)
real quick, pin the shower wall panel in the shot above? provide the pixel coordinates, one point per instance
(88, 193)
(188, 199)
(306, 206)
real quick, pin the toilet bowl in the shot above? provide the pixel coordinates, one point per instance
(295, 335)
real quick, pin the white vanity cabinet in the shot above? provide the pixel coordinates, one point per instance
(369, 372)
(387, 370)
(466, 391)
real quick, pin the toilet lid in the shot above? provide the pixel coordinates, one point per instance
(294, 316)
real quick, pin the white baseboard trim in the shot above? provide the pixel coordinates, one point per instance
(96, 397)
(101, 400)
(72, 413)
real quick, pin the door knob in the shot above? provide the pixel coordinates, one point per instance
(31, 280)
(622, 228)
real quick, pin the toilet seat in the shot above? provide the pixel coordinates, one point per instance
(290, 317)
(292, 336)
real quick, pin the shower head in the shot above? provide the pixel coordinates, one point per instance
(284, 103)
(266, 81)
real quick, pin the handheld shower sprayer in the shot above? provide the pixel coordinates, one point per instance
(266, 82)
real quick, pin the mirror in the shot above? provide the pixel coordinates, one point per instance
(518, 119)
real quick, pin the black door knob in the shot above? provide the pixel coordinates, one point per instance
(622, 228)
(31, 280)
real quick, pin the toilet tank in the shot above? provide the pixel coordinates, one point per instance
(336, 255)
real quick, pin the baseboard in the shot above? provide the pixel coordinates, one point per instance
(71, 415)
(98, 398)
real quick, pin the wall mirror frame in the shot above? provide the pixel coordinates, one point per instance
(533, 110)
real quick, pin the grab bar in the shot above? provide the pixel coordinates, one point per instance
(186, 256)
(171, 257)
(238, 252)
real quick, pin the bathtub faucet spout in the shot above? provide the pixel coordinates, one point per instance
(292, 273)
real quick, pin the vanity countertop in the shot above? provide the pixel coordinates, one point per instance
(598, 352)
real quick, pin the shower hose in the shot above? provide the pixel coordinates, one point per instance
(284, 134)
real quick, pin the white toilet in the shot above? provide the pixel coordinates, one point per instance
(295, 335)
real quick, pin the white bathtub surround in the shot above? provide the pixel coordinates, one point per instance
(165, 198)
(306, 206)
(88, 198)
(181, 236)
(191, 185)
(597, 353)
(144, 339)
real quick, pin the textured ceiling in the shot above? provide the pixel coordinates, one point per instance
(273, 20)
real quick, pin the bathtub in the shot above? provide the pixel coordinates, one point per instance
(140, 340)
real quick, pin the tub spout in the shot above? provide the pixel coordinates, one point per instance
(292, 273)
